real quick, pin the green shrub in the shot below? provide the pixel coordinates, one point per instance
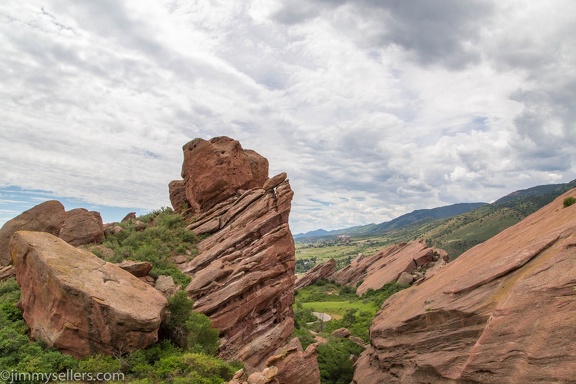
(569, 201)
(193, 368)
(334, 361)
(99, 363)
(165, 236)
(189, 330)
(202, 337)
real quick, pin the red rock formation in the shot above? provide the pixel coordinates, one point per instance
(79, 303)
(77, 226)
(503, 312)
(7, 272)
(46, 217)
(319, 272)
(217, 169)
(82, 227)
(296, 366)
(243, 275)
(178, 195)
(136, 268)
(387, 265)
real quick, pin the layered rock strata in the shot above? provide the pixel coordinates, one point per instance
(243, 276)
(80, 304)
(503, 312)
(388, 266)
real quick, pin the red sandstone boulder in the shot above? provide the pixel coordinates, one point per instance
(215, 170)
(296, 365)
(46, 217)
(503, 312)
(136, 268)
(82, 227)
(79, 303)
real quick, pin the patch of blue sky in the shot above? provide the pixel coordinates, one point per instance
(15, 200)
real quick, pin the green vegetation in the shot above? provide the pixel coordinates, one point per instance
(164, 236)
(334, 361)
(185, 353)
(309, 254)
(348, 311)
(164, 362)
(569, 201)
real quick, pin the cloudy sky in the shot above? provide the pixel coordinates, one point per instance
(374, 108)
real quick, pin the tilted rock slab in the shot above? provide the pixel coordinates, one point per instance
(386, 266)
(243, 276)
(319, 272)
(79, 303)
(503, 312)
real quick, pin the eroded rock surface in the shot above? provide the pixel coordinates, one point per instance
(79, 303)
(503, 312)
(295, 365)
(243, 276)
(77, 226)
(387, 266)
(319, 272)
(46, 217)
(216, 169)
(82, 227)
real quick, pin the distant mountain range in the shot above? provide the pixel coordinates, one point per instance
(456, 227)
(397, 223)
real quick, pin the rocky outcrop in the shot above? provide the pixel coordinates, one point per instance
(77, 226)
(503, 312)
(319, 272)
(7, 272)
(136, 268)
(243, 275)
(79, 303)
(46, 217)
(216, 169)
(82, 227)
(296, 366)
(388, 265)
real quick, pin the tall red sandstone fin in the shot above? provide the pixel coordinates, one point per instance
(243, 275)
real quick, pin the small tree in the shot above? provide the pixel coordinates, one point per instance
(569, 201)
(187, 329)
